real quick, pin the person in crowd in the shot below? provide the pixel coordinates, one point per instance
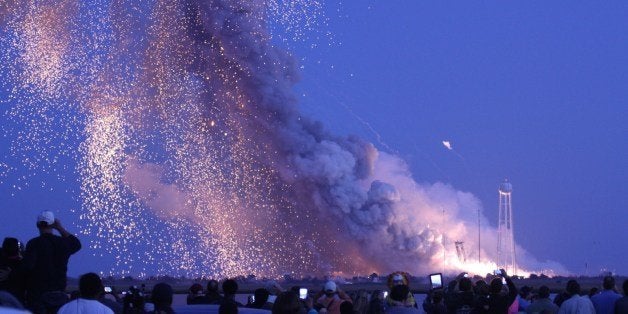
(561, 297)
(500, 296)
(162, 298)
(459, 296)
(7, 300)
(195, 294)
(575, 303)
(260, 300)
(288, 303)
(228, 308)
(11, 269)
(400, 305)
(46, 263)
(514, 306)
(331, 297)
(346, 307)
(542, 304)
(524, 298)
(91, 289)
(434, 302)
(621, 305)
(309, 305)
(361, 302)
(604, 302)
(396, 279)
(116, 305)
(230, 289)
(376, 304)
(212, 296)
(593, 291)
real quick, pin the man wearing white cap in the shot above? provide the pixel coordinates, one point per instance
(331, 297)
(46, 262)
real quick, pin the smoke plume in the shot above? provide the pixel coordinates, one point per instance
(194, 158)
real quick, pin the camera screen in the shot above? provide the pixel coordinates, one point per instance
(303, 293)
(436, 280)
(108, 289)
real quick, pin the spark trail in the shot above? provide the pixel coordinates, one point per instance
(192, 156)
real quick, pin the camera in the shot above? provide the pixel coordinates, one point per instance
(108, 290)
(133, 300)
(436, 280)
(303, 293)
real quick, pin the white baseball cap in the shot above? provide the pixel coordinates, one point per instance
(330, 286)
(46, 216)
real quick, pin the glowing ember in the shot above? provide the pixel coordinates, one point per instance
(193, 158)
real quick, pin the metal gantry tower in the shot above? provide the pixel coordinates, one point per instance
(505, 234)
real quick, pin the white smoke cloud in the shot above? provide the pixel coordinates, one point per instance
(259, 179)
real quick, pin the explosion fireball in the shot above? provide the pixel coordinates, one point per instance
(193, 156)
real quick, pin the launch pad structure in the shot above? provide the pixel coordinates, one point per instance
(506, 257)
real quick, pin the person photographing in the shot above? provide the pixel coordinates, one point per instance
(331, 297)
(46, 263)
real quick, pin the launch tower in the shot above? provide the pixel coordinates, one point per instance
(505, 235)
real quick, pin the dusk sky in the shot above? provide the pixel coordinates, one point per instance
(533, 92)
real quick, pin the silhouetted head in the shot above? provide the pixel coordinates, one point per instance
(162, 295)
(287, 303)
(608, 283)
(481, 287)
(524, 292)
(45, 220)
(90, 286)
(544, 292)
(465, 284)
(346, 307)
(398, 278)
(230, 287)
(399, 293)
(196, 288)
(330, 288)
(212, 285)
(10, 247)
(261, 296)
(496, 285)
(573, 287)
(625, 287)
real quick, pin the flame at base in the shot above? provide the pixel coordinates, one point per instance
(194, 158)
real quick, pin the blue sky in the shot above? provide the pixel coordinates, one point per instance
(530, 91)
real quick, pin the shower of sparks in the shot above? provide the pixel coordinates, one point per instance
(191, 155)
(173, 175)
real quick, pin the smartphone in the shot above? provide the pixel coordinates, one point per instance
(466, 275)
(252, 298)
(436, 280)
(107, 289)
(303, 293)
(385, 294)
(497, 272)
(503, 281)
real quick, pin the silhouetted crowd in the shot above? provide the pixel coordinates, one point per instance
(34, 278)
(502, 296)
